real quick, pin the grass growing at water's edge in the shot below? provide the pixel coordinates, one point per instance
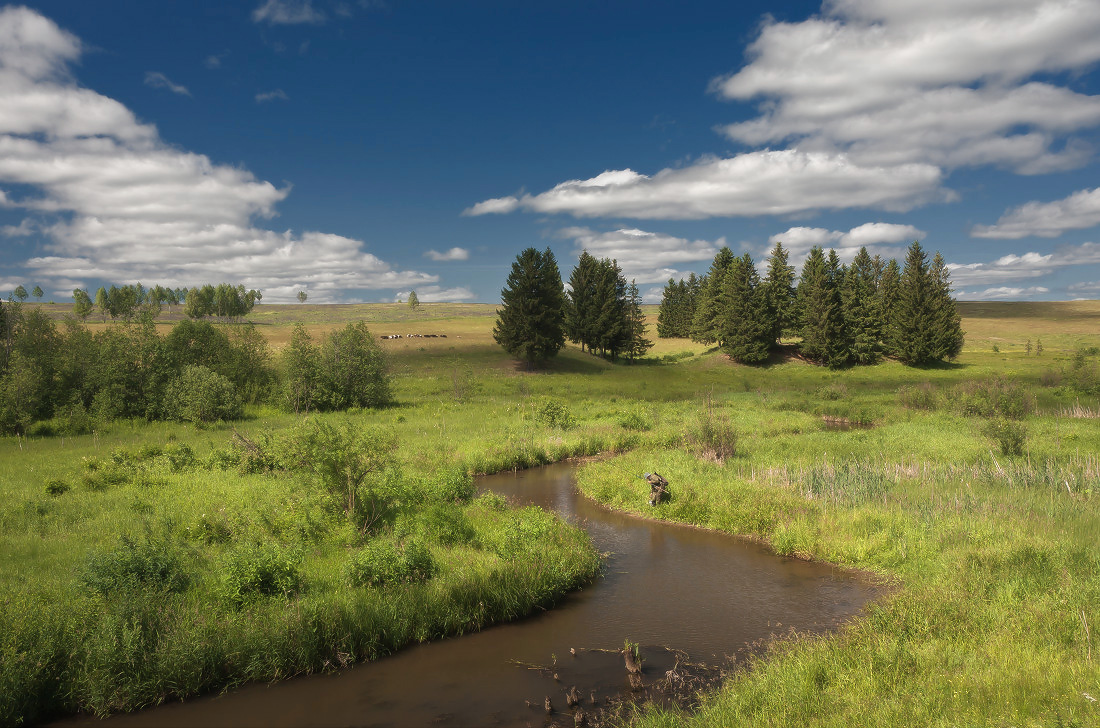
(996, 559)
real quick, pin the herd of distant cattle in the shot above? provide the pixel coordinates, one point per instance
(415, 336)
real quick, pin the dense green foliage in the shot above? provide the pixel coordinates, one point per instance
(72, 377)
(602, 312)
(530, 324)
(678, 308)
(842, 314)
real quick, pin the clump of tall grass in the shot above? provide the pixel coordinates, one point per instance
(1079, 411)
(850, 483)
(385, 562)
(995, 397)
(712, 436)
(155, 564)
(251, 571)
(923, 396)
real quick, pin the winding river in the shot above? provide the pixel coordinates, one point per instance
(704, 593)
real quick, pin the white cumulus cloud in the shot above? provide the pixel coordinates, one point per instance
(646, 257)
(947, 83)
(757, 183)
(452, 254)
(1003, 293)
(1046, 219)
(798, 240)
(156, 79)
(288, 12)
(118, 203)
(271, 96)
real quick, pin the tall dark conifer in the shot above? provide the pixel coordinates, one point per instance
(704, 325)
(861, 311)
(668, 315)
(611, 325)
(947, 332)
(916, 314)
(581, 307)
(819, 309)
(745, 325)
(888, 287)
(638, 344)
(530, 325)
(779, 292)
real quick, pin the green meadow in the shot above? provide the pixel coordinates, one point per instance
(150, 562)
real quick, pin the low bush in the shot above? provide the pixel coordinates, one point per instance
(635, 420)
(252, 571)
(995, 397)
(832, 392)
(442, 523)
(554, 413)
(201, 396)
(152, 564)
(384, 562)
(1010, 435)
(56, 487)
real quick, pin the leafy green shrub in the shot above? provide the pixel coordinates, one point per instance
(921, 396)
(384, 563)
(351, 463)
(995, 397)
(492, 501)
(443, 523)
(221, 459)
(200, 395)
(634, 420)
(179, 457)
(712, 437)
(260, 570)
(454, 485)
(519, 531)
(1010, 435)
(832, 392)
(1084, 375)
(210, 530)
(554, 413)
(152, 564)
(148, 452)
(56, 487)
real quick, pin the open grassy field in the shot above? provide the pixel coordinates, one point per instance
(974, 487)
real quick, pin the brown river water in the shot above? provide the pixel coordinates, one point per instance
(664, 586)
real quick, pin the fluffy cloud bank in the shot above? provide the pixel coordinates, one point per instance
(946, 83)
(876, 101)
(758, 183)
(452, 254)
(121, 205)
(1046, 219)
(645, 257)
(1022, 267)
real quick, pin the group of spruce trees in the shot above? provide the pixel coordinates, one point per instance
(844, 314)
(601, 312)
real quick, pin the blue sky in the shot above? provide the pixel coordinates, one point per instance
(361, 149)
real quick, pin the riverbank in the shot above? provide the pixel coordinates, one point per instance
(998, 570)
